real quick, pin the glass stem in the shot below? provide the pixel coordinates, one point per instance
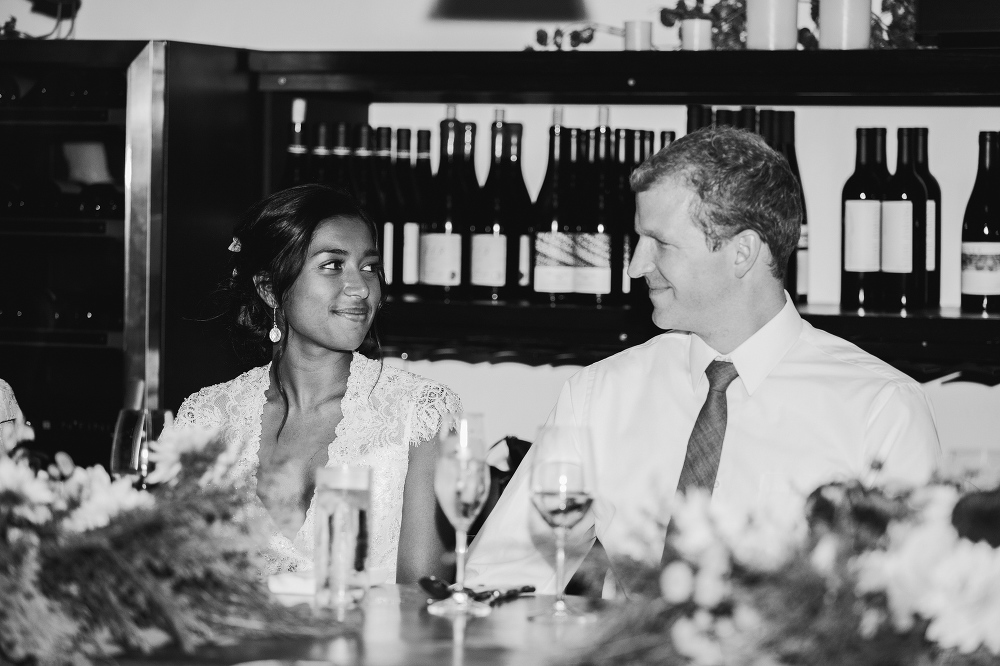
(461, 546)
(560, 604)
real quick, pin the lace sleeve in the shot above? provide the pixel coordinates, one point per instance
(432, 402)
(202, 409)
(8, 405)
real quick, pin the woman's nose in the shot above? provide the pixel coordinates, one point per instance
(355, 285)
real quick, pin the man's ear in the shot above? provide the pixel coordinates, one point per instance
(748, 250)
(263, 284)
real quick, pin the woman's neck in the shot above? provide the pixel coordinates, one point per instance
(311, 379)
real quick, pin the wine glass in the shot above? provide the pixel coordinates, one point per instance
(461, 483)
(562, 490)
(130, 446)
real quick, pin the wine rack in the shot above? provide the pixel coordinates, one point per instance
(341, 85)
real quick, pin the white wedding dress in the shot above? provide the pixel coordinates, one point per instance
(385, 411)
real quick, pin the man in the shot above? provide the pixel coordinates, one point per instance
(718, 214)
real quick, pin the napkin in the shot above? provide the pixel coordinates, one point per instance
(296, 583)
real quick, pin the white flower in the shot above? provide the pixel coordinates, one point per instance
(695, 532)
(677, 582)
(165, 455)
(689, 640)
(101, 499)
(824, 555)
(34, 496)
(710, 588)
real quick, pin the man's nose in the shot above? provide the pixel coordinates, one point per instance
(641, 263)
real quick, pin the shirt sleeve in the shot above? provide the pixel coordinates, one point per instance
(515, 547)
(8, 405)
(901, 440)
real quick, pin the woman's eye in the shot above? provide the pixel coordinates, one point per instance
(333, 265)
(371, 268)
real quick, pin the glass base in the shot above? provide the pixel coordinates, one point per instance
(561, 613)
(459, 604)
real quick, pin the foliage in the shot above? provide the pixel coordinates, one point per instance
(91, 567)
(868, 578)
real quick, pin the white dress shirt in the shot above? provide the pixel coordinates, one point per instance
(807, 408)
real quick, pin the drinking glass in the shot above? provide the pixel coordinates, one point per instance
(130, 445)
(343, 504)
(562, 490)
(461, 483)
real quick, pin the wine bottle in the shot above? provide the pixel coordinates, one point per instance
(881, 163)
(443, 251)
(340, 159)
(519, 218)
(320, 162)
(488, 258)
(412, 211)
(933, 242)
(698, 116)
(553, 278)
(363, 183)
(797, 273)
(667, 137)
(861, 237)
(593, 241)
(625, 208)
(746, 118)
(392, 209)
(904, 214)
(981, 233)
(297, 154)
(574, 205)
(726, 117)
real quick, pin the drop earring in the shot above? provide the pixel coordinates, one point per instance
(275, 333)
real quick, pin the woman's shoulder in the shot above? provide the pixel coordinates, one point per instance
(419, 400)
(211, 402)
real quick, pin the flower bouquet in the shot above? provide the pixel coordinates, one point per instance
(862, 576)
(90, 566)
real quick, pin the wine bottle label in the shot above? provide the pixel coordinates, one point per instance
(862, 236)
(489, 260)
(897, 236)
(627, 256)
(931, 235)
(802, 276)
(981, 269)
(554, 263)
(387, 252)
(524, 261)
(592, 274)
(411, 253)
(441, 259)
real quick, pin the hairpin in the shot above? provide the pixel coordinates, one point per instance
(235, 245)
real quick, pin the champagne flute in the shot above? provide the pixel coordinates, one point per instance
(461, 483)
(130, 445)
(562, 490)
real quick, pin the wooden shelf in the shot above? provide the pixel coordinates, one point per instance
(38, 337)
(26, 116)
(69, 227)
(901, 77)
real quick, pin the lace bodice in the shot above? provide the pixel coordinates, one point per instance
(385, 411)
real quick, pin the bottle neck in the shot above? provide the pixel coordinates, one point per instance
(987, 152)
(555, 146)
(920, 150)
(864, 151)
(904, 151)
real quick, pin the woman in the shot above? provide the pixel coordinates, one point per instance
(306, 287)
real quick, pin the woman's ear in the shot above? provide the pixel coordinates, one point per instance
(263, 284)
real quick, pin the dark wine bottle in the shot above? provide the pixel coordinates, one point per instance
(297, 154)
(881, 163)
(443, 237)
(861, 237)
(320, 162)
(625, 209)
(904, 216)
(518, 213)
(698, 116)
(575, 206)
(392, 209)
(933, 242)
(667, 137)
(553, 278)
(727, 117)
(340, 159)
(981, 233)
(412, 211)
(593, 242)
(797, 273)
(488, 258)
(364, 185)
(746, 118)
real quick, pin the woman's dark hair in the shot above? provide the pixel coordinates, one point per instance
(272, 238)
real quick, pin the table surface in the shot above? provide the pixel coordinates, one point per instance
(392, 627)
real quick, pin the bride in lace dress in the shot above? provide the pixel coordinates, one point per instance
(305, 289)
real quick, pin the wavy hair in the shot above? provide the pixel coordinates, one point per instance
(741, 183)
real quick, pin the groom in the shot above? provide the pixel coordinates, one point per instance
(739, 396)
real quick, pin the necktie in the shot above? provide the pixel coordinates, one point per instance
(701, 462)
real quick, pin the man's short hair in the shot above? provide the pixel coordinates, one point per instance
(741, 184)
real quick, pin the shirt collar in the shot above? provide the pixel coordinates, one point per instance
(757, 355)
